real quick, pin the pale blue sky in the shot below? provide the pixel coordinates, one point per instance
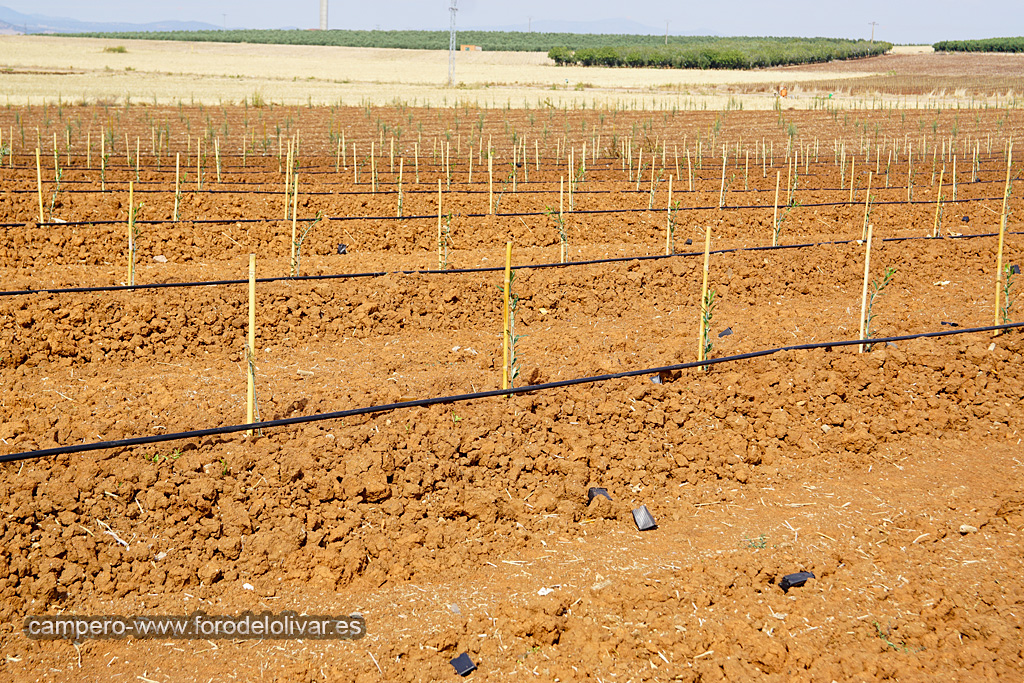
(899, 21)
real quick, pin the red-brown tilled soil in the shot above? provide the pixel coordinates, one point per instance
(894, 476)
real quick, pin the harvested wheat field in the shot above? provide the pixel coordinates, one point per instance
(462, 524)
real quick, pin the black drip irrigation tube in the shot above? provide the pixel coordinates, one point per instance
(246, 188)
(581, 212)
(458, 398)
(483, 269)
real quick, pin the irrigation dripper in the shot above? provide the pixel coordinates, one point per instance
(794, 580)
(725, 333)
(688, 241)
(593, 492)
(966, 219)
(463, 664)
(662, 377)
(1015, 270)
(643, 518)
(342, 249)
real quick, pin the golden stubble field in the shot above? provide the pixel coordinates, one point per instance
(34, 69)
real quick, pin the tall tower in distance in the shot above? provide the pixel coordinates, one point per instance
(323, 15)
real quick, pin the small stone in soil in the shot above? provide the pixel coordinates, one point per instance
(794, 580)
(463, 664)
(968, 529)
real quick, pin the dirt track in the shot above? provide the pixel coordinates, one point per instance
(894, 476)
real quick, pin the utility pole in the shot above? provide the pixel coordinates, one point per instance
(666, 31)
(451, 45)
(873, 25)
(529, 24)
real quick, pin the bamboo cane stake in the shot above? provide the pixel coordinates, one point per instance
(572, 182)
(287, 179)
(775, 215)
(177, 182)
(789, 183)
(250, 349)
(864, 291)
(561, 217)
(853, 167)
(526, 162)
(401, 164)
(199, 158)
(131, 234)
(295, 205)
(954, 177)
(505, 318)
(1002, 231)
(704, 293)
(650, 203)
(668, 222)
(910, 172)
(39, 185)
(721, 189)
(639, 166)
(490, 182)
(216, 153)
(440, 257)
(938, 203)
(867, 209)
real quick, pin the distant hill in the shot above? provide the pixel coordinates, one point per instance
(16, 22)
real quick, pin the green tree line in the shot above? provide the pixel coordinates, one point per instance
(721, 53)
(756, 51)
(985, 45)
